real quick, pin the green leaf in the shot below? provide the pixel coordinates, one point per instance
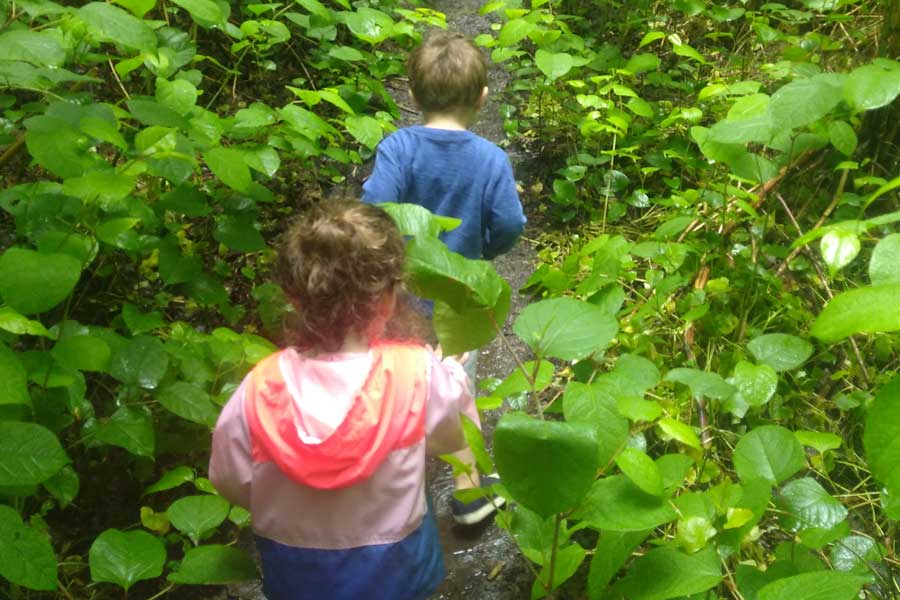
(755, 385)
(189, 402)
(197, 515)
(26, 556)
(672, 429)
(142, 362)
(29, 454)
(822, 441)
(591, 404)
(806, 505)
(438, 274)
(472, 328)
(871, 86)
(547, 466)
(13, 379)
(842, 137)
(39, 49)
(139, 322)
(613, 549)
(17, 324)
(804, 101)
(769, 452)
(568, 559)
(702, 383)
(839, 248)
(365, 129)
(884, 266)
(126, 557)
(780, 351)
(641, 470)
(82, 352)
(553, 65)
(229, 166)
(239, 233)
(178, 95)
(348, 53)
(214, 565)
(616, 504)
(33, 282)
(640, 107)
(665, 573)
(514, 31)
(641, 63)
(881, 438)
(370, 25)
(64, 485)
(818, 585)
(862, 310)
(418, 221)
(108, 23)
(171, 479)
(205, 12)
(855, 553)
(565, 328)
(694, 533)
(129, 428)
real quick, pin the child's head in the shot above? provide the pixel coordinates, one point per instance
(447, 75)
(340, 264)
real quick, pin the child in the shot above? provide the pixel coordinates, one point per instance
(325, 442)
(452, 172)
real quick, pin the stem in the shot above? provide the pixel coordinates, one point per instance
(511, 351)
(553, 548)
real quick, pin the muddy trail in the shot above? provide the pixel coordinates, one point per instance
(482, 562)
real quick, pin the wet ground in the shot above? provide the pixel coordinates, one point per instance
(482, 563)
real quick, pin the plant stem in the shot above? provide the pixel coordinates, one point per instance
(553, 549)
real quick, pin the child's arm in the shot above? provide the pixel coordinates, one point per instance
(448, 396)
(385, 182)
(231, 464)
(504, 220)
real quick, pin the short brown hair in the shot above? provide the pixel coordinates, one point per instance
(446, 72)
(335, 263)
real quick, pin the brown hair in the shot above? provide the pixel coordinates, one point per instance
(336, 263)
(446, 73)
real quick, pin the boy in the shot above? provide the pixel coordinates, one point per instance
(453, 172)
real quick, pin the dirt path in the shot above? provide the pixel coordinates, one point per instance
(482, 563)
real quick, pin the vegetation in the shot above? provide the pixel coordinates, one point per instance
(712, 403)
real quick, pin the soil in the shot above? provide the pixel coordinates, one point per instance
(482, 562)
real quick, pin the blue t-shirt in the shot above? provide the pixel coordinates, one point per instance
(453, 174)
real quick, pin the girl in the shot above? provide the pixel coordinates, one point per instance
(325, 442)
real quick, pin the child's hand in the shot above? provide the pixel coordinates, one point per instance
(461, 358)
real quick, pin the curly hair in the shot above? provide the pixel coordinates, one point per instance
(335, 263)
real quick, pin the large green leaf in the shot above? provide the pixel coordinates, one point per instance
(565, 328)
(568, 559)
(613, 549)
(804, 101)
(171, 479)
(18, 324)
(129, 428)
(868, 309)
(806, 505)
(38, 48)
(13, 378)
(471, 329)
(365, 129)
(553, 64)
(370, 25)
(769, 452)
(29, 454)
(547, 466)
(514, 31)
(126, 557)
(214, 565)
(26, 556)
(418, 221)
(702, 383)
(239, 233)
(142, 362)
(780, 351)
(819, 585)
(755, 385)
(884, 266)
(872, 86)
(666, 573)
(109, 23)
(591, 404)
(229, 166)
(82, 352)
(197, 515)
(616, 504)
(205, 12)
(641, 470)
(855, 553)
(189, 401)
(882, 436)
(33, 282)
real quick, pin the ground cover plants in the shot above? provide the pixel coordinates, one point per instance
(711, 404)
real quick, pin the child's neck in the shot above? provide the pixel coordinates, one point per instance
(448, 121)
(355, 343)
